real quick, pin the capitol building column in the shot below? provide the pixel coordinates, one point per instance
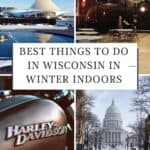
(120, 138)
(113, 139)
(117, 138)
(109, 137)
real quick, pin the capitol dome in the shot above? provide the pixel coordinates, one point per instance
(113, 117)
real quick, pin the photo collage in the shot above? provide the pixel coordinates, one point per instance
(69, 119)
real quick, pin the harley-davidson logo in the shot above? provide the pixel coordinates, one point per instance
(37, 131)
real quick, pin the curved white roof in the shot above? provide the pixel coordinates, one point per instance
(45, 5)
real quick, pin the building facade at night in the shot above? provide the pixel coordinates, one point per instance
(83, 6)
(94, 13)
(114, 135)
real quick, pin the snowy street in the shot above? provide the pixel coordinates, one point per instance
(118, 148)
(33, 27)
(142, 39)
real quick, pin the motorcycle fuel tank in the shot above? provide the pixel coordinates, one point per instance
(32, 123)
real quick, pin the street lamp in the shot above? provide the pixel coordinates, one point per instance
(47, 17)
(142, 9)
(96, 138)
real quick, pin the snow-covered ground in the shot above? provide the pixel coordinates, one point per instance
(4, 63)
(5, 66)
(119, 148)
(32, 27)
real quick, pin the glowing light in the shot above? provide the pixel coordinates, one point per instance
(48, 17)
(3, 38)
(83, 3)
(104, 13)
(142, 9)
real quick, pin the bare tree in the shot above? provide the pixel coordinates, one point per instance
(87, 122)
(83, 105)
(141, 102)
(141, 105)
(138, 130)
(92, 125)
(96, 135)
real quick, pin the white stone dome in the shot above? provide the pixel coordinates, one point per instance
(113, 117)
(113, 112)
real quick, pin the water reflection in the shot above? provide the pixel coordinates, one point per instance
(43, 38)
(11, 37)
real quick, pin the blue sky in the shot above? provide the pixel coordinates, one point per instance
(103, 100)
(65, 5)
